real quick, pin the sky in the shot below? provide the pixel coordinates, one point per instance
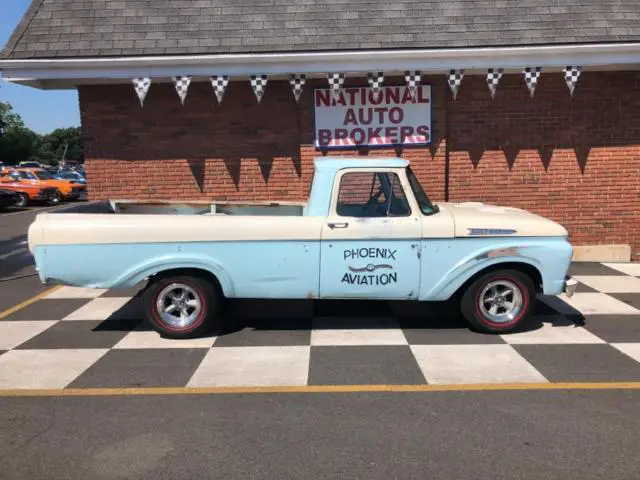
(41, 110)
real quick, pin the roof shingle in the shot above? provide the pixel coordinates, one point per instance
(63, 28)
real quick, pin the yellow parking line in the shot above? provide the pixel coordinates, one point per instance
(481, 387)
(28, 302)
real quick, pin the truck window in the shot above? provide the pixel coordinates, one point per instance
(372, 194)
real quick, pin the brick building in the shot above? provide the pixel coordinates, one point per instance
(574, 157)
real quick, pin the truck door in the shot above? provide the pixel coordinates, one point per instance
(370, 245)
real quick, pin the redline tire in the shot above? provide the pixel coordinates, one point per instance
(200, 290)
(524, 294)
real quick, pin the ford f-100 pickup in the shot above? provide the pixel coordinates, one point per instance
(368, 231)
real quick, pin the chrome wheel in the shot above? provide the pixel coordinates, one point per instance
(501, 301)
(178, 305)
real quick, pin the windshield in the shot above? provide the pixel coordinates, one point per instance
(44, 175)
(425, 204)
(69, 175)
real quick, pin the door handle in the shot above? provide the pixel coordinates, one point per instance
(338, 225)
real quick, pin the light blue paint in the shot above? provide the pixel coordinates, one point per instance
(279, 269)
(395, 269)
(448, 263)
(244, 269)
(390, 268)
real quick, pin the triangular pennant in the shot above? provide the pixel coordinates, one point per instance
(259, 85)
(219, 84)
(182, 86)
(493, 78)
(141, 86)
(336, 82)
(297, 82)
(413, 79)
(571, 76)
(376, 81)
(531, 76)
(455, 79)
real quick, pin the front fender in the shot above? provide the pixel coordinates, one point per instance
(160, 264)
(550, 257)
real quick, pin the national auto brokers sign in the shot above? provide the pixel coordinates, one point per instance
(360, 117)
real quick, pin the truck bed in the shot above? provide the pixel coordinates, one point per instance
(279, 209)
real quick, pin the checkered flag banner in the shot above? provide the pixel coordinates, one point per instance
(219, 84)
(297, 82)
(259, 85)
(531, 76)
(141, 86)
(412, 78)
(336, 82)
(376, 81)
(493, 78)
(182, 86)
(455, 79)
(571, 76)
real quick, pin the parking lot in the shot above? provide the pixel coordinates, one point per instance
(376, 389)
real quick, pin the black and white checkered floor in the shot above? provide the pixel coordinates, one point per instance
(80, 338)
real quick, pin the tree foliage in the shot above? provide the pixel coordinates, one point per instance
(18, 143)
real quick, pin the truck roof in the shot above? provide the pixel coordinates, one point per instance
(338, 163)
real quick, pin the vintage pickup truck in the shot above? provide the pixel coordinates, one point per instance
(368, 231)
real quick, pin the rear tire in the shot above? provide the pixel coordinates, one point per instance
(499, 301)
(180, 306)
(23, 200)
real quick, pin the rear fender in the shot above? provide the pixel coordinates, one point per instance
(157, 265)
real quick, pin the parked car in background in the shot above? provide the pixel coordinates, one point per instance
(28, 193)
(8, 198)
(72, 176)
(30, 165)
(66, 190)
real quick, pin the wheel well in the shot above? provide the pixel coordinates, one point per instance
(525, 268)
(194, 272)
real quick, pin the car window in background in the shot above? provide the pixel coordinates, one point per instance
(43, 175)
(26, 175)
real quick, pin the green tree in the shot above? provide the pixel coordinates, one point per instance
(17, 143)
(53, 145)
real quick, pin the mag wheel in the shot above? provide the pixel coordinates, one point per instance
(499, 301)
(180, 306)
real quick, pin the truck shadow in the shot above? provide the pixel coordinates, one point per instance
(241, 317)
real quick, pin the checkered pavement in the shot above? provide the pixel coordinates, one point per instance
(95, 338)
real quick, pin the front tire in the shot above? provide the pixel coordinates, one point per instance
(23, 200)
(499, 301)
(180, 306)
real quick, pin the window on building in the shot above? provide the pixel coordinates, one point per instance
(372, 194)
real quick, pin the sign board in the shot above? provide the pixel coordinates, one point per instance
(361, 118)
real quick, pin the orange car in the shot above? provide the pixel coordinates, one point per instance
(65, 189)
(28, 193)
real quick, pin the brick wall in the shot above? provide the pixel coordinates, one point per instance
(575, 160)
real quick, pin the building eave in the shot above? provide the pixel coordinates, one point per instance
(48, 73)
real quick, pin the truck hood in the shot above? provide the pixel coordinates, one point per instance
(473, 219)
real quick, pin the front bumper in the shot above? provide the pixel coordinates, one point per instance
(570, 286)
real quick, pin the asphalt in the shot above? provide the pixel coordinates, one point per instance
(15, 259)
(582, 434)
(453, 435)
